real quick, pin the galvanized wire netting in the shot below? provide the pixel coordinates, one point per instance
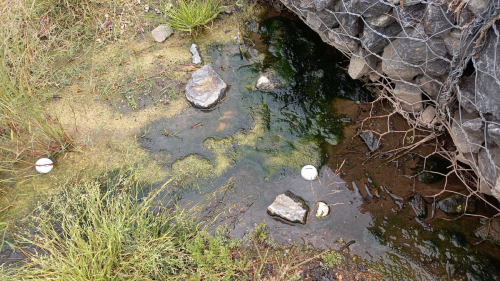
(435, 62)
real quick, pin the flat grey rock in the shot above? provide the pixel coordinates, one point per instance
(410, 15)
(430, 85)
(488, 73)
(361, 64)
(395, 68)
(342, 42)
(477, 6)
(489, 230)
(369, 8)
(488, 161)
(205, 88)
(437, 20)
(290, 207)
(455, 205)
(428, 115)
(371, 140)
(376, 38)
(409, 96)
(493, 130)
(161, 33)
(465, 139)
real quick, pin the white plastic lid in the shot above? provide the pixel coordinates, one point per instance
(44, 165)
(309, 172)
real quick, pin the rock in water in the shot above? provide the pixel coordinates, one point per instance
(322, 209)
(161, 33)
(370, 140)
(205, 88)
(268, 81)
(419, 205)
(455, 205)
(196, 59)
(289, 207)
(489, 230)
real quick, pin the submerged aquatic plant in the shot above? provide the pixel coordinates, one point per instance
(189, 15)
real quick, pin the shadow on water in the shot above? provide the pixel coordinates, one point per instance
(259, 139)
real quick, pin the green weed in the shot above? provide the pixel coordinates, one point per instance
(106, 229)
(331, 259)
(190, 15)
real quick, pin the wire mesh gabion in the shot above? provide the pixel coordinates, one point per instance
(435, 62)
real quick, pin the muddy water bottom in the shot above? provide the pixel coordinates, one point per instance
(258, 141)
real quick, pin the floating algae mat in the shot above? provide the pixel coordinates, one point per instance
(260, 139)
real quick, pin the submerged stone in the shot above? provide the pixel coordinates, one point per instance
(419, 205)
(490, 230)
(371, 140)
(290, 207)
(322, 209)
(205, 88)
(268, 81)
(455, 205)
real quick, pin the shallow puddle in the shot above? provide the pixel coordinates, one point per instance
(259, 139)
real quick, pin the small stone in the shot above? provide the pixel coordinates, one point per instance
(437, 20)
(452, 40)
(494, 132)
(225, 9)
(289, 207)
(341, 42)
(488, 168)
(409, 96)
(161, 33)
(419, 205)
(375, 39)
(322, 210)
(488, 70)
(466, 96)
(361, 64)
(466, 140)
(430, 85)
(490, 230)
(371, 140)
(396, 69)
(477, 6)
(428, 115)
(205, 88)
(268, 81)
(196, 59)
(411, 15)
(455, 205)
(382, 20)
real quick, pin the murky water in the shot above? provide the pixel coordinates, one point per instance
(260, 139)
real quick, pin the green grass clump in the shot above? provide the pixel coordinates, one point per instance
(189, 15)
(105, 229)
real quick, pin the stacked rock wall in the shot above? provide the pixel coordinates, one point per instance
(439, 60)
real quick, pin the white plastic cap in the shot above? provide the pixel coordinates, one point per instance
(309, 172)
(44, 165)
